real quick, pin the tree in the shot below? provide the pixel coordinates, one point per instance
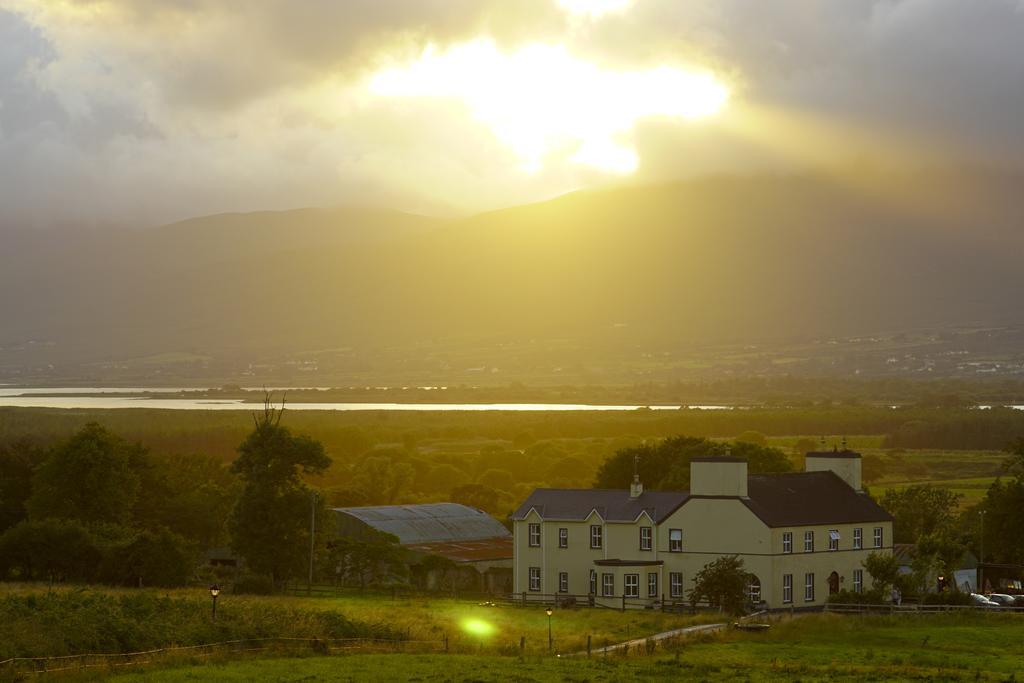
(373, 557)
(884, 571)
(18, 460)
(479, 496)
(151, 558)
(752, 437)
(940, 552)
(920, 510)
(189, 495)
(49, 549)
(270, 522)
(665, 465)
(721, 583)
(383, 478)
(1003, 507)
(93, 478)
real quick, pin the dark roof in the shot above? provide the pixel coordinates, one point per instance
(833, 454)
(805, 498)
(428, 523)
(478, 550)
(717, 458)
(614, 505)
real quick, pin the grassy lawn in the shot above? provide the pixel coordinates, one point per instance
(469, 626)
(812, 648)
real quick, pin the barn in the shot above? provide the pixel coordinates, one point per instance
(476, 547)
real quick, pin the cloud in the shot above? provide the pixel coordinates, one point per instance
(143, 111)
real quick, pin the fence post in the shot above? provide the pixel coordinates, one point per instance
(623, 602)
(522, 644)
(588, 646)
(446, 642)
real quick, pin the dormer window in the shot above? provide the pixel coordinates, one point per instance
(645, 538)
(535, 535)
(596, 535)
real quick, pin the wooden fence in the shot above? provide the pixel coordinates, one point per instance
(17, 668)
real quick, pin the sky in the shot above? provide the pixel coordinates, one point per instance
(139, 112)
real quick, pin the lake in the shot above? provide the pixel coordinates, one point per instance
(92, 397)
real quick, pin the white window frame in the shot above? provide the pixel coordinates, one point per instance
(646, 537)
(809, 541)
(593, 582)
(754, 592)
(534, 535)
(563, 582)
(858, 538)
(787, 588)
(833, 539)
(858, 580)
(675, 540)
(596, 536)
(787, 541)
(809, 587)
(563, 537)
(878, 537)
(608, 585)
(675, 584)
(631, 585)
(535, 579)
(652, 584)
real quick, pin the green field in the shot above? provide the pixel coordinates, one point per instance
(813, 648)
(126, 617)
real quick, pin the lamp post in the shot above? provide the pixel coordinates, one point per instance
(981, 553)
(214, 592)
(548, 612)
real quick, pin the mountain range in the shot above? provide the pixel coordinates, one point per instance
(718, 260)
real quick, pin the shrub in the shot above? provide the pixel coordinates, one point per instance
(849, 597)
(49, 549)
(946, 598)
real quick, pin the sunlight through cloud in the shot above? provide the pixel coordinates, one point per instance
(594, 8)
(541, 100)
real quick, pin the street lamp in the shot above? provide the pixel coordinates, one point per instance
(548, 612)
(214, 592)
(981, 553)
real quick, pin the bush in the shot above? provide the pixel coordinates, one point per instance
(849, 597)
(73, 622)
(49, 549)
(161, 558)
(253, 584)
(946, 598)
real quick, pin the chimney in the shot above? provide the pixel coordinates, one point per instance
(636, 489)
(720, 477)
(845, 463)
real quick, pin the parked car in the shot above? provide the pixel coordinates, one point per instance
(1018, 600)
(1001, 599)
(981, 601)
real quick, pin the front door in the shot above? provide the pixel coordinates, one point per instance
(833, 583)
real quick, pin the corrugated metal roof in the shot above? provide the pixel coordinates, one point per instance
(428, 523)
(469, 551)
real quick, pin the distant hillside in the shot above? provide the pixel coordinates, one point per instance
(707, 261)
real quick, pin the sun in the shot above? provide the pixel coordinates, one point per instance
(541, 101)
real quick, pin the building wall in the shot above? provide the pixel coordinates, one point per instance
(711, 528)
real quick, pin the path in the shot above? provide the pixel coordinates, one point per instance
(642, 642)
